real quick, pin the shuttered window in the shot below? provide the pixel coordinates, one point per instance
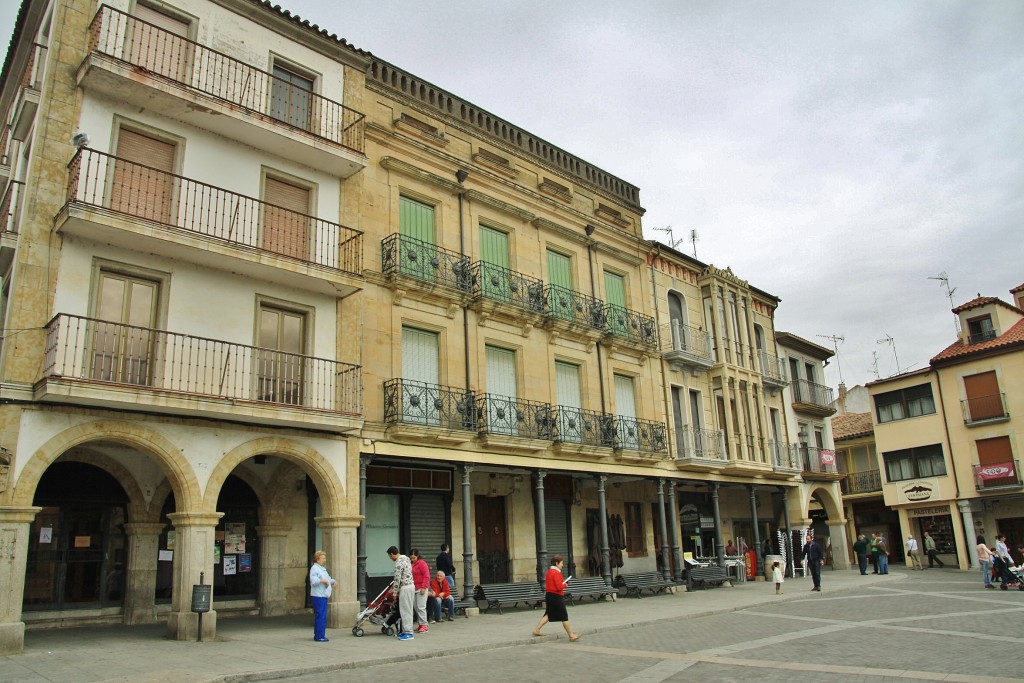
(615, 296)
(494, 256)
(625, 407)
(420, 370)
(416, 220)
(143, 185)
(122, 346)
(285, 218)
(567, 385)
(291, 98)
(156, 43)
(560, 275)
(502, 391)
(983, 398)
(427, 529)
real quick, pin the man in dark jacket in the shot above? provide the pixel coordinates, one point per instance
(815, 558)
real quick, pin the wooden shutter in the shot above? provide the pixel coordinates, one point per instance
(285, 221)
(625, 399)
(997, 451)
(416, 220)
(157, 43)
(983, 398)
(143, 185)
(419, 355)
(615, 289)
(501, 372)
(567, 385)
(494, 252)
(559, 270)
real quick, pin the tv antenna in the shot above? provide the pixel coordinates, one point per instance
(836, 340)
(891, 342)
(672, 241)
(943, 279)
(874, 363)
(693, 240)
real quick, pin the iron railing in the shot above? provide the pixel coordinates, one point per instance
(9, 207)
(159, 52)
(995, 475)
(867, 481)
(809, 392)
(101, 352)
(982, 408)
(773, 368)
(983, 336)
(432, 405)
(784, 456)
(514, 417)
(574, 307)
(508, 287)
(408, 256)
(811, 457)
(33, 76)
(636, 327)
(634, 434)
(677, 337)
(584, 427)
(100, 180)
(701, 444)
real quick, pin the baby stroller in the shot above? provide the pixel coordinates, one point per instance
(379, 612)
(1009, 577)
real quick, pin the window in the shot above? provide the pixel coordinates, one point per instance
(143, 184)
(996, 451)
(904, 403)
(984, 400)
(286, 223)
(560, 299)
(291, 97)
(625, 407)
(635, 536)
(122, 344)
(494, 263)
(158, 43)
(282, 341)
(914, 463)
(980, 329)
(502, 391)
(420, 376)
(417, 228)
(615, 297)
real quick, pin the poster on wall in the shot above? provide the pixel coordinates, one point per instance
(234, 538)
(216, 553)
(171, 537)
(244, 563)
(230, 565)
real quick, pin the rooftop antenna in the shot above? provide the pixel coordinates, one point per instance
(891, 342)
(874, 363)
(943, 279)
(672, 241)
(693, 240)
(836, 340)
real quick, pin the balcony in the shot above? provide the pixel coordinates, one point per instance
(635, 328)
(785, 458)
(569, 307)
(819, 463)
(686, 348)
(700, 449)
(869, 481)
(5, 157)
(811, 398)
(124, 367)
(581, 431)
(513, 424)
(418, 411)
(642, 437)
(982, 336)
(27, 103)
(143, 65)
(10, 205)
(979, 410)
(773, 371)
(138, 207)
(414, 263)
(499, 289)
(997, 476)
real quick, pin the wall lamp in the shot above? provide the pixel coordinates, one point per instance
(461, 175)
(589, 230)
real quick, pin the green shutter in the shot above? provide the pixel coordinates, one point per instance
(559, 270)
(493, 247)
(416, 220)
(614, 289)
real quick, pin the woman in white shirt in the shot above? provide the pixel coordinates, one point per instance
(985, 560)
(320, 585)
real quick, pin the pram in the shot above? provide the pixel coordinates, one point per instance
(1009, 577)
(379, 611)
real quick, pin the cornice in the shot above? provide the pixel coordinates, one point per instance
(477, 196)
(405, 168)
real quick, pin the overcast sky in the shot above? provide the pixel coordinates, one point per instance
(835, 154)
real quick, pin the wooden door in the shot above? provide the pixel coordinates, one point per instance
(492, 539)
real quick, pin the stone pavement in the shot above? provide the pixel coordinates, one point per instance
(250, 649)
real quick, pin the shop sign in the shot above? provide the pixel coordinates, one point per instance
(688, 515)
(928, 512)
(918, 491)
(1001, 470)
(828, 458)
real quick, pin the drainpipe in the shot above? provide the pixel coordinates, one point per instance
(966, 514)
(593, 293)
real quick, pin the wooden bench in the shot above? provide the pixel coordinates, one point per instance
(589, 586)
(702, 577)
(636, 584)
(529, 593)
(461, 605)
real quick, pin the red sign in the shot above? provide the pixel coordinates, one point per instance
(828, 458)
(1003, 470)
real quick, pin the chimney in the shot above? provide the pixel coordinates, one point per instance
(842, 398)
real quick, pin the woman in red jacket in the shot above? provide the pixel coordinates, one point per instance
(554, 600)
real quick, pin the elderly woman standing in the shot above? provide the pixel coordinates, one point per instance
(554, 599)
(320, 585)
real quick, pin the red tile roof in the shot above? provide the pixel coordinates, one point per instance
(1012, 337)
(1017, 288)
(985, 301)
(850, 425)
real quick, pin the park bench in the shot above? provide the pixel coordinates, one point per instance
(635, 584)
(592, 586)
(497, 594)
(702, 577)
(462, 604)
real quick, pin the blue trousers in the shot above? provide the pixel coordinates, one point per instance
(883, 563)
(319, 618)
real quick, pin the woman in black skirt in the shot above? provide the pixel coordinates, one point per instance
(554, 600)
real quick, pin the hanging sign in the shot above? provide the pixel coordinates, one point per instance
(828, 458)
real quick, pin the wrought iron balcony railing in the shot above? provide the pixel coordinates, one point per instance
(773, 369)
(983, 336)
(9, 207)
(636, 327)
(103, 181)
(432, 405)
(784, 456)
(700, 444)
(514, 417)
(809, 392)
(408, 256)
(584, 427)
(634, 434)
(574, 307)
(995, 475)
(101, 352)
(159, 52)
(684, 339)
(508, 287)
(868, 481)
(984, 408)
(819, 460)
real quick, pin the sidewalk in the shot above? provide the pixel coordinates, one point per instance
(252, 649)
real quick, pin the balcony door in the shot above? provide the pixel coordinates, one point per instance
(122, 343)
(560, 276)
(416, 226)
(158, 43)
(625, 407)
(292, 98)
(570, 402)
(143, 185)
(420, 375)
(495, 262)
(502, 391)
(285, 218)
(983, 399)
(279, 358)
(615, 297)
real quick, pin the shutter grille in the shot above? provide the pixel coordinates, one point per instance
(556, 525)
(567, 385)
(143, 188)
(427, 529)
(286, 225)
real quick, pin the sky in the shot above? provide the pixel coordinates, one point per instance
(839, 155)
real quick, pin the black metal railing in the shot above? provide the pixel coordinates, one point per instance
(981, 408)
(867, 481)
(772, 367)
(784, 456)
(634, 434)
(574, 307)
(637, 327)
(979, 337)
(809, 392)
(819, 460)
(700, 444)
(432, 405)
(514, 417)
(998, 474)
(408, 256)
(508, 287)
(584, 427)
(679, 338)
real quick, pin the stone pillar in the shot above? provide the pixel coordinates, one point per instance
(340, 544)
(467, 534)
(602, 511)
(757, 532)
(364, 462)
(140, 574)
(970, 535)
(837, 536)
(541, 527)
(791, 561)
(677, 555)
(666, 566)
(273, 563)
(193, 554)
(717, 512)
(15, 524)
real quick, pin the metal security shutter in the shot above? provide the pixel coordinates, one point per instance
(285, 223)
(427, 525)
(416, 220)
(144, 187)
(556, 525)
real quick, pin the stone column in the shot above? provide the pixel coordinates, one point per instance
(837, 536)
(757, 532)
(467, 534)
(273, 563)
(677, 556)
(970, 535)
(140, 574)
(791, 561)
(541, 526)
(340, 544)
(364, 462)
(193, 554)
(15, 525)
(602, 511)
(666, 566)
(717, 512)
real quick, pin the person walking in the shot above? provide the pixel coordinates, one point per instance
(932, 552)
(985, 560)
(320, 587)
(421, 583)
(883, 555)
(554, 599)
(405, 589)
(913, 561)
(874, 552)
(444, 563)
(860, 548)
(815, 558)
(777, 577)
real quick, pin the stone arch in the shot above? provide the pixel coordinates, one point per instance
(137, 508)
(824, 495)
(308, 459)
(179, 473)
